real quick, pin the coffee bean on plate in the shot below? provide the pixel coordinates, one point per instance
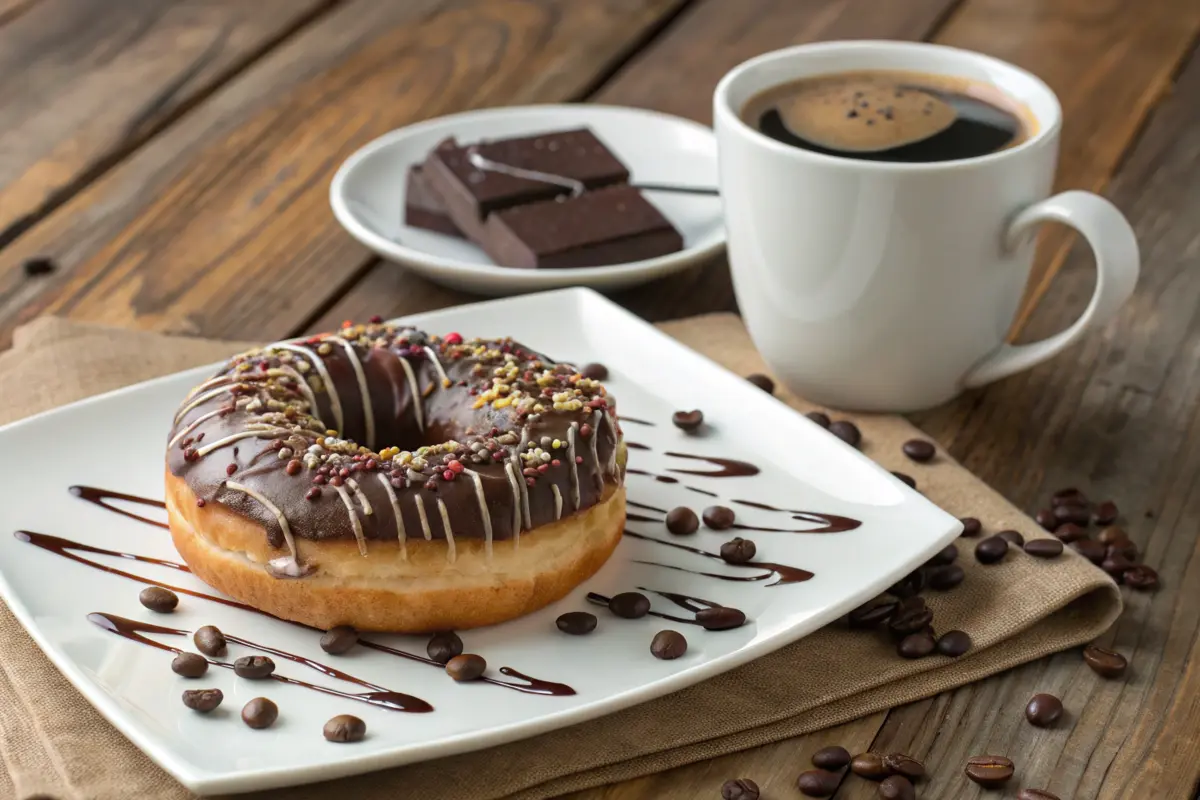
(253, 667)
(1112, 535)
(156, 598)
(339, 639)
(1077, 514)
(1105, 513)
(1043, 710)
(189, 665)
(919, 450)
(901, 764)
(1116, 566)
(832, 758)
(719, 518)
(972, 527)
(945, 577)
(630, 605)
(818, 782)
(871, 614)
(762, 381)
(1092, 551)
(596, 371)
(688, 420)
(720, 618)
(202, 700)
(910, 616)
(681, 521)
(954, 643)
(740, 789)
(576, 623)
(738, 550)
(1036, 794)
(947, 555)
(1141, 578)
(991, 550)
(1012, 537)
(869, 766)
(443, 646)
(847, 431)
(990, 772)
(1047, 519)
(1044, 548)
(819, 417)
(907, 480)
(1070, 532)
(209, 640)
(260, 713)
(1105, 663)
(916, 645)
(668, 645)
(345, 728)
(467, 667)
(896, 787)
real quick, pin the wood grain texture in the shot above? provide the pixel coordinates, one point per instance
(99, 77)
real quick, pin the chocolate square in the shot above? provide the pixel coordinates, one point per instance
(423, 208)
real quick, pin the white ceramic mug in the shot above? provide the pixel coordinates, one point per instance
(891, 286)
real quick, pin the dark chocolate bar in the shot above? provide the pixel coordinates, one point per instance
(423, 208)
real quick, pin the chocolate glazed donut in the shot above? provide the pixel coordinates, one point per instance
(387, 479)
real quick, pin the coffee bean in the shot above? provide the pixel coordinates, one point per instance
(818, 782)
(467, 667)
(595, 370)
(1077, 514)
(910, 616)
(1044, 548)
(945, 578)
(682, 521)
(1036, 794)
(947, 555)
(189, 665)
(1070, 532)
(668, 645)
(1116, 566)
(910, 584)
(738, 550)
(721, 618)
(1106, 513)
(719, 518)
(576, 623)
(896, 787)
(1046, 519)
(831, 758)
(991, 550)
(345, 728)
(159, 599)
(871, 614)
(444, 646)
(688, 420)
(37, 266)
(916, 645)
(954, 643)
(869, 766)
(919, 450)
(972, 527)
(1092, 551)
(819, 417)
(1141, 578)
(847, 431)
(907, 480)
(260, 713)
(209, 640)
(1012, 537)
(630, 605)
(1105, 663)
(762, 381)
(339, 639)
(1069, 496)
(740, 789)
(990, 772)
(1126, 549)
(1043, 710)
(1112, 535)
(253, 667)
(901, 764)
(202, 700)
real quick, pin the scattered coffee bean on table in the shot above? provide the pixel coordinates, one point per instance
(1070, 533)
(1044, 548)
(629, 605)
(954, 643)
(1141, 578)
(901, 764)
(721, 618)
(740, 789)
(832, 758)
(896, 787)
(1092, 551)
(260, 713)
(254, 668)
(1036, 794)
(1068, 496)
(682, 521)
(916, 645)
(467, 667)
(1043, 710)
(919, 450)
(1116, 565)
(688, 420)
(1105, 663)
(762, 381)
(818, 782)
(209, 640)
(819, 417)
(1125, 549)
(991, 550)
(990, 772)
(595, 371)
(945, 577)
(738, 550)
(444, 646)
(910, 616)
(869, 766)
(38, 266)
(972, 527)
(1077, 514)
(1047, 519)
(158, 599)
(668, 645)
(907, 480)
(1012, 537)
(189, 665)
(1112, 535)
(1105, 513)
(576, 623)
(871, 615)
(339, 639)
(719, 518)
(947, 555)
(910, 584)
(202, 700)
(345, 728)
(847, 431)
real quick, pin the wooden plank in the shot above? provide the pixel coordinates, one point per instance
(100, 77)
(221, 226)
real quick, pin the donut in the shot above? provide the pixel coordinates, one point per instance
(392, 480)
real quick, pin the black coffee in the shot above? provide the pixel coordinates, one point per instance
(891, 116)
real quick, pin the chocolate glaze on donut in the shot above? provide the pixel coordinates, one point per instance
(383, 432)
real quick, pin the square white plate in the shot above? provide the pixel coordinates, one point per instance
(116, 441)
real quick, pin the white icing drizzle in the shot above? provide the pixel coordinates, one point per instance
(415, 391)
(261, 433)
(424, 519)
(361, 495)
(592, 440)
(335, 402)
(191, 426)
(198, 401)
(451, 551)
(483, 511)
(301, 384)
(437, 364)
(401, 535)
(513, 479)
(557, 501)
(354, 523)
(291, 565)
(208, 384)
(613, 468)
(516, 462)
(574, 464)
(363, 389)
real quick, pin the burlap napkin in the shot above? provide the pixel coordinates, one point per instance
(53, 744)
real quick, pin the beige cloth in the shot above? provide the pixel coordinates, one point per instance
(53, 744)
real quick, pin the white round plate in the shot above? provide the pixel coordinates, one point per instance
(367, 194)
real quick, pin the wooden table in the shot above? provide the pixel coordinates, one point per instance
(172, 159)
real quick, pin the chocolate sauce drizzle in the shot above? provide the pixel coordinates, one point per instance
(622, 418)
(531, 685)
(603, 600)
(378, 696)
(640, 518)
(635, 445)
(833, 523)
(97, 497)
(729, 467)
(648, 508)
(786, 574)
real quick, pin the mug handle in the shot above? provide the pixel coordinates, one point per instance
(1116, 251)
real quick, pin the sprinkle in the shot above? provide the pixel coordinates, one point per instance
(376, 319)
(313, 493)
(232, 468)
(578, 459)
(293, 467)
(200, 502)
(448, 475)
(453, 338)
